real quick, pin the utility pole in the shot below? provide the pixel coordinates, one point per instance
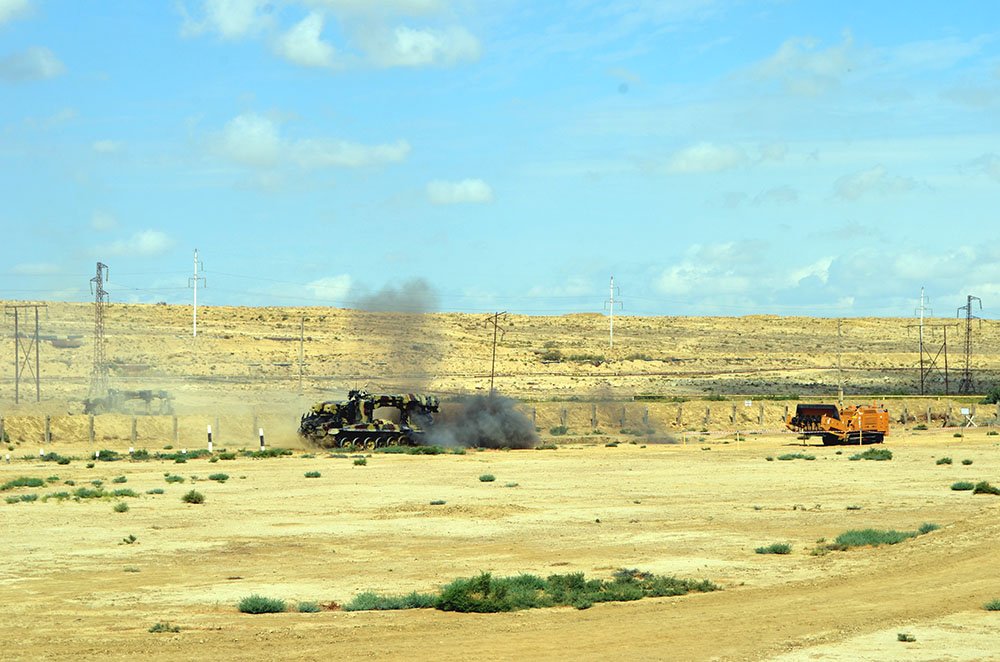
(840, 368)
(302, 337)
(928, 356)
(22, 351)
(498, 330)
(921, 310)
(99, 374)
(609, 305)
(966, 386)
(193, 283)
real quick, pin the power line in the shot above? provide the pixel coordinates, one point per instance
(494, 319)
(193, 283)
(22, 352)
(99, 374)
(609, 305)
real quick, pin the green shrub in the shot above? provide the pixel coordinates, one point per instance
(611, 444)
(90, 465)
(124, 492)
(22, 481)
(155, 490)
(164, 627)
(966, 462)
(944, 460)
(313, 474)
(962, 486)
(775, 548)
(546, 447)
(89, 493)
(904, 636)
(141, 454)
(992, 433)
(510, 484)
(958, 435)
(438, 502)
(361, 461)
(769, 458)
(873, 537)
(22, 498)
(413, 450)
(487, 478)
(227, 456)
(258, 604)
(220, 478)
(193, 497)
(107, 456)
(878, 454)
(992, 605)
(58, 496)
(173, 478)
(369, 601)
(308, 607)
(796, 456)
(558, 430)
(983, 487)
(927, 527)
(130, 540)
(97, 482)
(121, 507)
(119, 479)
(267, 452)
(854, 507)
(920, 426)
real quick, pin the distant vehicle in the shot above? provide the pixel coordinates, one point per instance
(868, 424)
(352, 422)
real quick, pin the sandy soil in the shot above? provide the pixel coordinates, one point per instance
(72, 589)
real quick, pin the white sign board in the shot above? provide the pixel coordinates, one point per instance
(748, 403)
(965, 411)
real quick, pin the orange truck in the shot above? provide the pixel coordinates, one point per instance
(868, 424)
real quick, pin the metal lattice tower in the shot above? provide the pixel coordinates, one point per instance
(966, 386)
(99, 375)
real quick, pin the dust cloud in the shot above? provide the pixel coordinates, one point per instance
(485, 422)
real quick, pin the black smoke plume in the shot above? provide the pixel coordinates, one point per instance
(484, 422)
(413, 296)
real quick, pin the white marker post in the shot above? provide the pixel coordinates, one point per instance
(41, 452)
(209, 438)
(7, 457)
(260, 435)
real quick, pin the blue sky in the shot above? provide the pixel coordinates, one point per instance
(716, 156)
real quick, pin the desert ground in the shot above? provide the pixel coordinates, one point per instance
(650, 474)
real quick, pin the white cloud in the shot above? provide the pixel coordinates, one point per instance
(302, 44)
(573, 287)
(410, 47)
(779, 195)
(11, 9)
(385, 7)
(805, 69)
(345, 154)
(35, 269)
(143, 244)
(254, 140)
(331, 288)
(873, 181)
(106, 146)
(231, 19)
(36, 63)
(103, 221)
(251, 139)
(705, 158)
(442, 192)
(987, 164)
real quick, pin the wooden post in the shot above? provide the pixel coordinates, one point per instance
(786, 412)
(624, 418)
(134, 429)
(928, 417)
(562, 417)
(534, 414)
(680, 415)
(906, 416)
(732, 416)
(708, 414)
(593, 415)
(176, 436)
(760, 416)
(2, 431)
(48, 429)
(90, 426)
(645, 418)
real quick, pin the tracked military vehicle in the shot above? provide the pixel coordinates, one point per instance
(352, 422)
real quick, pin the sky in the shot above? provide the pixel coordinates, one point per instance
(717, 157)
